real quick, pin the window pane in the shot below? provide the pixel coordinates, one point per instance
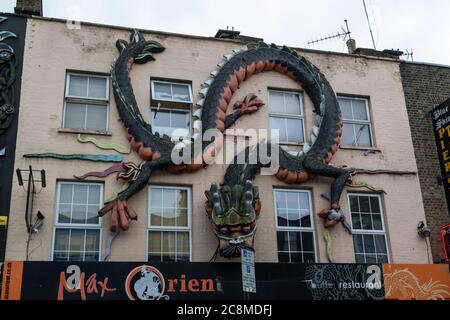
(77, 240)
(348, 135)
(65, 193)
(80, 193)
(169, 198)
(91, 256)
(362, 136)
(364, 205)
(78, 86)
(307, 241)
(276, 102)
(162, 91)
(282, 218)
(377, 224)
(64, 213)
(366, 221)
(356, 221)
(156, 215)
(283, 257)
(94, 194)
(156, 197)
(182, 217)
(305, 219)
(369, 244)
(168, 243)
(60, 256)
(92, 240)
(346, 108)
(358, 243)
(61, 240)
(375, 205)
(160, 118)
(96, 117)
(380, 243)
(280, 198)
(97, 88)
(303, 200)
(169, 217)
(79, 213)
(371, 258)
(154, 241)
(76, 256)
(292, 101)
(293, 218)
(75, 116)
(294, 130)
(182, 199)
(179, 120)
(354, 204)
(92, 214)
(295, 241)
(360, 258)
(279, 124)
(292, 200)
(282, 240)
(296, 257)
(382, 259)
(182, 242)
(309, 257)
(181, 92)
(359, 110)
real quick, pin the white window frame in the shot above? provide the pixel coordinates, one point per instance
(362, 122)
(58, 225)
(84, 100)
(171, 90)
(300, 117)
(169, 228)
(369, 232)
(296, 229)
(187, 111)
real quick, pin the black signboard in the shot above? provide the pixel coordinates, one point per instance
(188, 281)
(441, 124)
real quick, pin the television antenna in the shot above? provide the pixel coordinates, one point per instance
(409, 55)
(343, 34)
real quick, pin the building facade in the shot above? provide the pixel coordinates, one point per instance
(66, 91)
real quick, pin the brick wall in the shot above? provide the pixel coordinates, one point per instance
(425, 86)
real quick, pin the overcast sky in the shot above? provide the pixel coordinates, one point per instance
(420, 25)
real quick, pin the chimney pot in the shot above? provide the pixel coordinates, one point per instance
(29, 7)
(351, 45)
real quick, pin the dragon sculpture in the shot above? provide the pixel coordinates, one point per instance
(235, 206)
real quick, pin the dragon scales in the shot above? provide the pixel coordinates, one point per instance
(235, 206)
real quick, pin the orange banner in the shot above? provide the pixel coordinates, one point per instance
(12, 280)
(416, 281)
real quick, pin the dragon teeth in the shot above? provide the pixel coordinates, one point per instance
(313, 138)
(200, 103)
(198, 113)
(197, 125)
(294, 153)
(316, 131)
(228, 56)
(215, 72)
(306, 148)
(237, 50)
(220, 65)
(204, 91)
(209, 82)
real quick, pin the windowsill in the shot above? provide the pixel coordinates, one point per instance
(78, 131)
(370, 149)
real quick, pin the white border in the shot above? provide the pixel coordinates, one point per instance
(57, 225)
(298, 229)
(369, 232)
(168, 229)
(152, 82)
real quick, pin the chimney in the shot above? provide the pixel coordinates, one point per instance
(29, 7)
(351, 45)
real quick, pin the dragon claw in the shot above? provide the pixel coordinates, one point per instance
(121, 214)
(250, 104)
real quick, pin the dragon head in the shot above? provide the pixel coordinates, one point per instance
(233, 211)
(139, 49)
